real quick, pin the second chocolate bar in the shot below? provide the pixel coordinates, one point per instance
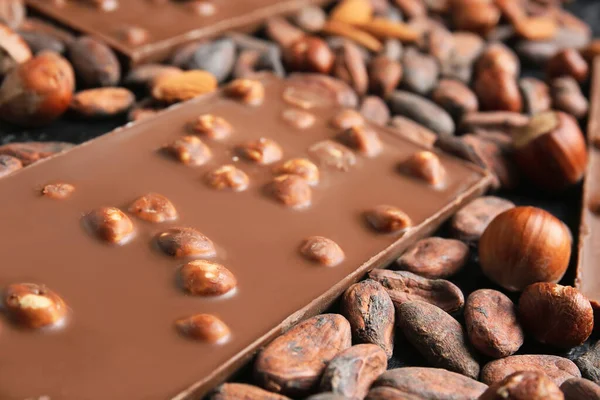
(241, 209)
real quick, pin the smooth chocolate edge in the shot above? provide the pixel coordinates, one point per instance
(323, 302)
(593, 131)
(159, 51)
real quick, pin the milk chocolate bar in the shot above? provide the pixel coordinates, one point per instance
(153, 261)
(149, 30)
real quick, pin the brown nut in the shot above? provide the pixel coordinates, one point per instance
(434, 257)
(551, 150)
(212, 127)
(102, 102)
(262, 151)
(30, 152)
(375, 110)
(568, 97)
(310, 54)
(498, 91)
(204, 327)
(479, 16)
(349, 66)
(409, 129)
(145, 75)
(524, 385)
(568, 62)
(95, 64)
(388, 219)
(173, 88)
(291, 190)
(37, 91)
(362, 139)
(133, 35)
(347, 118)
(492, 325)
(189, 150)
(228, 177)
(426, 166)
(299, 119)
(185, 242)
(58, 191)
(498, 56)
(352, 11)
(206, 278)
(525, 245)
(536, 95)
(153, 207)
(455, 97)
(384, 75)
(248, 91)
(333, 155)
(109, 224)
(34, 306)
(322, 250)
(302, 167)
(556, 315)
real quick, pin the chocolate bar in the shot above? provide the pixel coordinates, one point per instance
(148, 31)
(589, 233)
(153, 261)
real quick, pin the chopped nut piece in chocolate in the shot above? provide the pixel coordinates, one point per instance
(247, 91)
(109, 224)
(189, 150)
(322, 250)
(291, 190)
(206, 278)
(262, 151)
(153, 207)
(185, 242)
(302, 167)
(58, 191)
(212, 127)
(363, 139)
(34, 306)
(388, 219)
(204, 327)
(228, 177)
(332, 155)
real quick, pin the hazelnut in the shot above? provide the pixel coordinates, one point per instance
(524, 385)
(551, 150)
(206, 278)
(498, 91)
(189, 150)
(524, 245)
(363, 139)
(262, 151)
(247, 91)
(322, 250)
(347, 118)
(333, 155)
(568, 62)
(299, 119)
(302, 167)
(291, 190)
(34, 306)
(228, 177)
(388, 219)
(58, 191)
(37, 91)
(498, 56)
(556, 315)
(310, 54)
(109, 224)
(426, 166)
(185, 242)
(153, 207)
(212, 127)
(204, 327)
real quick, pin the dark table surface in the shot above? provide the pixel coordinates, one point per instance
(565, 206)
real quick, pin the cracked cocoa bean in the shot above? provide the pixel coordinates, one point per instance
(589, 363)
(434, 257)
(557, 368)
(423, 111)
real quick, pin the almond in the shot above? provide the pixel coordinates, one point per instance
(353, 11)
(350, 32)
(102, 102)
(183, 86)
(384, 28)
(536, 28)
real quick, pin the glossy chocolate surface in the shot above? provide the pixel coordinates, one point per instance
(120, 340)
(168, 23)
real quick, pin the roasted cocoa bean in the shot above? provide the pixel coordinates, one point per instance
(470, 221)
(493, 121)
(498, 91)
(420, 71)
(144, 76)
(282, 32)
(392, 49)
(568, 62)
(326, 396)
(370, 311)
(427, 383)
(558, 369)
(31, 152)
(455, 97)
(293, 363)
(422, 111)
(524, 385)
(375, 110)
(414, 131)
(404, 286)
(589, 363)
(216, 57)
(492, 325)
(237, 391)
(567, 97)
(352, 371)
(41, 41)
(384, 75)
(580, 389)
(434, 257)
(350, 67)
(438, 43)
(95, 64)
(535, 94)
(437, 336)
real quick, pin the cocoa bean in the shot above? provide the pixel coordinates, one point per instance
(282, 32)
(293, 363)
(326, 396)
(352, 371)
(216, 57)
(95, 64)
(404, 286)
(392, 49)
(237, 391)
(30, 152)
(426, 383)
(322, 89)
(524, 385)
(498, 91)
(455, 97)
(350, 67)
(438, 42)
(422, 111)
(384, 75)
(420, 71)
(416, 132)
(589, 363)
(493, 121)
(370, 311)
(183, 54)
(492, 325)
(558, 369)
(536, 53)
(536, 95)
(375, 110)
(145, 75)
(437, 336)
(470, 221)
(9, 164)
(579, 389)
(41, 41)
(434, 257)
(494, 156)
(567, 97)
